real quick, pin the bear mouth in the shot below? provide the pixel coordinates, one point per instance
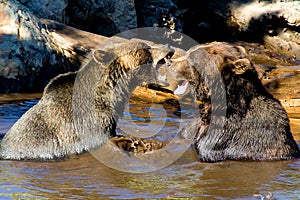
(182, 88)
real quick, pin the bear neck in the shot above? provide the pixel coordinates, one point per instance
(114, 90)
(242, 90)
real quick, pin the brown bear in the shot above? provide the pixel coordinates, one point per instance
(79, 110)
(238, 118)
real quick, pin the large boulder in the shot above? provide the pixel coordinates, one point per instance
(28, 57)
(105, 17)
(159, 13)
(50, 9)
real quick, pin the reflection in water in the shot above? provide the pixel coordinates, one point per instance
(84, 177)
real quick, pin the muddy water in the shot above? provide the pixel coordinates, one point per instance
(85, 177)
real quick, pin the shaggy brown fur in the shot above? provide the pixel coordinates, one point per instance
(239, 119)
(78, 111)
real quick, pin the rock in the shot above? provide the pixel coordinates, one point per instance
(243, 15)
(276, 24)
(200, 22)
(261, 55)
(28, 57)
(49, 9)
(286, 42)
(157, 13)
(105, 17)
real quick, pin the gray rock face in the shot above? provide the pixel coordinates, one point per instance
(124, 15)
(105, 17)
(50, 9)
(157, 13)
(27, 55)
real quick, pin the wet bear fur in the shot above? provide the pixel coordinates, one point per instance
(78, 110)
(238, 118)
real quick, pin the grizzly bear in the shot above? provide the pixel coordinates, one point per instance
(79, 110)
(238, 118)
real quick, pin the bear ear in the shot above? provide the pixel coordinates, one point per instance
(103, 57)
(241, 65)
(59, 82)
